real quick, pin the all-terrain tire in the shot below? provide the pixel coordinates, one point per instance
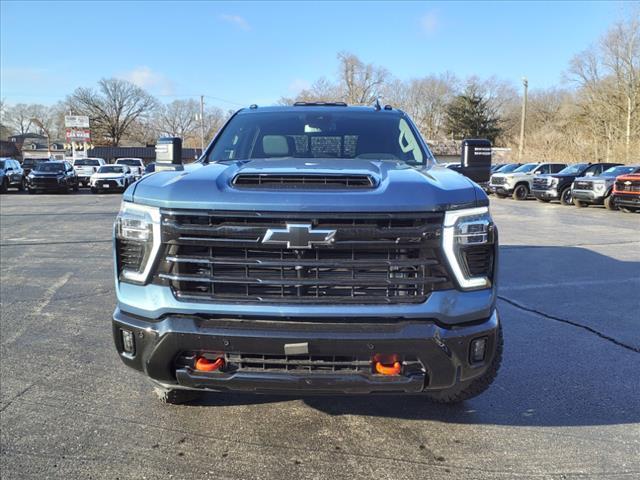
(566, 198)
(543, 200)
(580, 203)
(174, 396)
(609, 204)
(521, 192)
(474, 387)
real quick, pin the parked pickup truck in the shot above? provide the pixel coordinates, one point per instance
(314, 248)
(136, 165)
(518, 183)
(557, 186)
(597, 190)
(626, 192)
(86, 167)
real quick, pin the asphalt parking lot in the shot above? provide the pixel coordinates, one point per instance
(566, 403)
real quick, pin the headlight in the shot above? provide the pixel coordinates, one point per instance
(554, 182)
(137, 234)
(468, 239)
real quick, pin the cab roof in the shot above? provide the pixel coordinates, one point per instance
(332, 107)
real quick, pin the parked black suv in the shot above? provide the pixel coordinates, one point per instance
(11, 174)
(52, 175)
(557, 186)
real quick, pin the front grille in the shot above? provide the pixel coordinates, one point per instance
(541, 183)
(478, 260)
(129, 254)
(373, 258)
(633, 186)
(582, 185)
(498, 181)
(275, 181)
(298, 363)
(45, 181)
(112, 183)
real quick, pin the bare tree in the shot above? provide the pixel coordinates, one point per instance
(179, 118)
(361, 83)
(113, 108)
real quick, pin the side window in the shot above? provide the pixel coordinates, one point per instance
(542, 169)
(556, 168)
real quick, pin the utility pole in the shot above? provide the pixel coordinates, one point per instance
(525, 83)
(202, 122)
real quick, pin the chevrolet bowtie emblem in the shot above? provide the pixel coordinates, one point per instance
(628, 182)
(299, 235)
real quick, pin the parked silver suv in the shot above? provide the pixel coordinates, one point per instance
(597, 190)
(519, 182)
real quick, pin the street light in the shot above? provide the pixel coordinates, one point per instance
(525, 83)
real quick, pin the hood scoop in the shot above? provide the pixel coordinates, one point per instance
(315, 181)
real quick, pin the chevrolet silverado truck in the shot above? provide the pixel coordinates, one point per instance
(597, 190)
(626, 192)
(558, 186)
(86, 167)
(519, 182)
(315, 248)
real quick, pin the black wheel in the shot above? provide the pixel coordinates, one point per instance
(543, 200)
(500, 195)
(474, 387)
(174, 396)
(579, 203)
(32, 191)
(76, 187)
(94, 190)
(610, 204)
(4, 186)
(521, 192)
(566, 197)
(23, 185)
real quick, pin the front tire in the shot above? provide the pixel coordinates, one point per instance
(609, 203)
(500, 195)
(521, 192)
(5, 186)
(474, 387)
(23, 185)
(543, 200)
(566, 198)
(174, 396)
(580, 204)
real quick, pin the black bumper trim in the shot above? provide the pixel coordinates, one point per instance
(442, 351)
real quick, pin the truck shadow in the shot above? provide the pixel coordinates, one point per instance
(553, 373)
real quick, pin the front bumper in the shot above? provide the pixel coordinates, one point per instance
(588, 196)
(551, 194)
(45, 185)
(626, 200)
(501, 189)
(443, 352)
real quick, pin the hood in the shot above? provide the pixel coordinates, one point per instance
(108, 175)
(397, 187)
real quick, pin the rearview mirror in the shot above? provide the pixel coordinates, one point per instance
(475, 161)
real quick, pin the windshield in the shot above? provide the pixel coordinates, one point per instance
(573, 169)
(527, 167)
(620, 170)
(111, 169)
(507, 168)
(87, 162)
(321, 134)
(130, 161)
(49, 167)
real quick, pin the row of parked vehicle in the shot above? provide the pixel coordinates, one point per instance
(37, 175)
(614, 185)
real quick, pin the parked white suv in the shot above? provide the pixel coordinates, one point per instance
(85, 167)
(136, 165)
(112, 178)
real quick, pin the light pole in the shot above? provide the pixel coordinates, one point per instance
(525, 83)
(202, 124)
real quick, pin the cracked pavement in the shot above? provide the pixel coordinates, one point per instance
(566, 403)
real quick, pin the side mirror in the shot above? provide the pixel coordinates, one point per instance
(475, 161)
(169, 153)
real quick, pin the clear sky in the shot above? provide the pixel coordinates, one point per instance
(255, 52)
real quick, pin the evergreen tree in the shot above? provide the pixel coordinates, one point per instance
(469, 115)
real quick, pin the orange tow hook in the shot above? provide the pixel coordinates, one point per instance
(383, 369)
(205, 365)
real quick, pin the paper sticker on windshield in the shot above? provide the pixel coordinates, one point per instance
(407, 141)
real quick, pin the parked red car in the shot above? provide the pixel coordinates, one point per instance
(626, 192)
